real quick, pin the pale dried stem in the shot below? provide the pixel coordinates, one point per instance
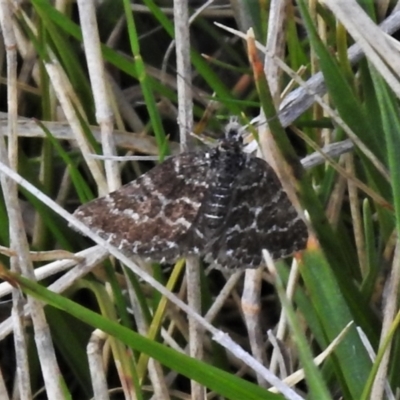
(154, 368)
(96, 365)
(214, 12)
(17, 327)
(223, 296)
(25, 74)
(330, 150)
(335, 202)
(137, 311)
(184, 75)
(282, 324)
(372, 355)
(92, 257)
(116, 33)
(335, 116)
(185, 118)
(158, 381)
(123, 109)
(355, 208)
(104, 114)
(301, 99)
(243, 18)
(251, 302)
(174, 42)
(196, 331)
(325, 134)
(10, 192)
(299, 375)
(61, 85)
(342, 171)
(170, 341)
(251, 307)
(25, 48)
(389, 312)
(163, 303)
(250, 361)
(210, 316)
(18, 240)
(121, 355)
(70, 103)
(53, 268)
(375, 44)
(279, 362)
(275, 45)
(146, 144)
(62, 131)
(64, 188)
(12, 93)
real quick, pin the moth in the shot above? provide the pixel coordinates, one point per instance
(220, 203)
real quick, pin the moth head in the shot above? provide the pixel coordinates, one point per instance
(234, 131)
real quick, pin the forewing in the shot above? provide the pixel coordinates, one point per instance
(150, 216)
(261, 217)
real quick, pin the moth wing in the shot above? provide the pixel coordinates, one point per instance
(150, 216)
(261, 217)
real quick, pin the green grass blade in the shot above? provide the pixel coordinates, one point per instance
(391, 127)
(220, 381)
(352, 363)
(145, 84)
(317, 388)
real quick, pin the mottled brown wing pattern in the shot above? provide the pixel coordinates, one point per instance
(220, 203)
(261, 217)
(151, 216)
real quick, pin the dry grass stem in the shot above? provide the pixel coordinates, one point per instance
(96, 365)
(251, 307)
(389, 313)
(375, 45)
(355, 208)
(298, 376)
(18, 241)
(281, 331)
(185, 117)
(104, 114)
